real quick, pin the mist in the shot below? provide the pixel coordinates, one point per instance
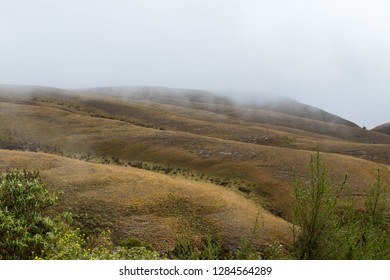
(334, 55)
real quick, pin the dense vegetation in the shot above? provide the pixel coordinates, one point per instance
(328, 225)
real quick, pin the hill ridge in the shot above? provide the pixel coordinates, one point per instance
(383, 128)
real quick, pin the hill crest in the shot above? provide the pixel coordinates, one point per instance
(384, 128)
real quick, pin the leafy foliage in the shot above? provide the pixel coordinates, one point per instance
(187, 249)
(23, 229)
(72, 244)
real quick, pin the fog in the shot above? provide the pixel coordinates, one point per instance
(332, 54)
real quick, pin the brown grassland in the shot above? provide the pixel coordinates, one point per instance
(149, 163)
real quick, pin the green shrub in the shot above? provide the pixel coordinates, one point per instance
(23, 229)
(327, 226)
(377, 204)
(186, 249)
(372, 226)
(132, 243)
(244, 252)
(315, 213)
(73, 245)
(211, 249)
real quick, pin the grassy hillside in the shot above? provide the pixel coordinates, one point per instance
(145, 161)
(384, 128)
(149, 206)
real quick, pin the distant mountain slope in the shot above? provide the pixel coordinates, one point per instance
(283, 112)
(292, 107)
(194, 98)
(198, 112)
(384, 128)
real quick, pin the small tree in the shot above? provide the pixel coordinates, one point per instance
(314, 213)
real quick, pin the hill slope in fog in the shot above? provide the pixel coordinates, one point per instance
(144, 161)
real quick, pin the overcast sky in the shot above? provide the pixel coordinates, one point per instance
(333, 54)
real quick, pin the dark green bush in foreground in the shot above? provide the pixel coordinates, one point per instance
(23, 230)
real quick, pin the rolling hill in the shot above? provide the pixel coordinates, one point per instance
(384, 128)
(145, 161)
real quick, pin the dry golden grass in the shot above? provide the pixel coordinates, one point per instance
(149, 206)
(265, 170)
